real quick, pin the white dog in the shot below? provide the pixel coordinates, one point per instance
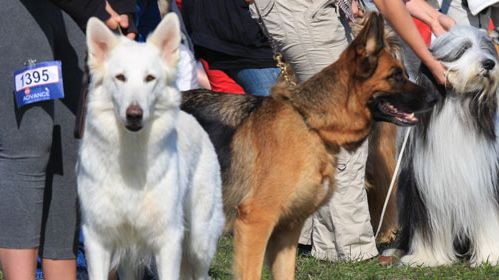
(148, 176)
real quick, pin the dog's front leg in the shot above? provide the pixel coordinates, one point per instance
(98, 257)
(281, 251)
(169, 255)
(251, 234)
(485, 246)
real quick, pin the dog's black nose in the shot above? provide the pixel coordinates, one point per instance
(134, 113)
(488, 64)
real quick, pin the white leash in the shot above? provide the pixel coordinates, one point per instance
(392, 183)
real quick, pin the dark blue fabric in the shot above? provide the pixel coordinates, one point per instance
(148, 18)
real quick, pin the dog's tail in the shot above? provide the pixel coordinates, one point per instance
(227, 109)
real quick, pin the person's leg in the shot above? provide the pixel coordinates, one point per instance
(60, 223)
(18, 263)
(25, 137)
(23, 157)
(256, 81)
(347, 211)
(220, 81)
(60, 230)
(59, 269)
(310, 35)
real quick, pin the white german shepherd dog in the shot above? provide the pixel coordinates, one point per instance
(148, 176)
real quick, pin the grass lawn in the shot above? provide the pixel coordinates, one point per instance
(309, 268)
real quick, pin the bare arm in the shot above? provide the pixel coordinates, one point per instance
(398, 16)
(438, 22)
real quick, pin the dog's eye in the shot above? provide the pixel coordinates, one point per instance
(396, 75)
(120, 77)
(150, 78)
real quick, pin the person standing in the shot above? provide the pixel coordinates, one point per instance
(38, 201)
(225, 35)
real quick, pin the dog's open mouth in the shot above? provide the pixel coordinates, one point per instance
(397, 115)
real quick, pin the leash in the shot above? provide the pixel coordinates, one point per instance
(283, 66)
(392, 183)
(278, 57)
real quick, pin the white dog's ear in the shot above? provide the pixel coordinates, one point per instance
(167, 38)
(100, 41)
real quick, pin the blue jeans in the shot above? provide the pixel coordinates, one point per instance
(256, 81)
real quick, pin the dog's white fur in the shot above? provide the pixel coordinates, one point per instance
(456, 167)
(154, 192)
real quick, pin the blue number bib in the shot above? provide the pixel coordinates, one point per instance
(38, 82)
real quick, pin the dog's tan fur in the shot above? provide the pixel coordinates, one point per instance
(380, 168)
(381, 159)
(284, 153)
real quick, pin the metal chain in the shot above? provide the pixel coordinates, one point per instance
(278, 57)
(283, 67)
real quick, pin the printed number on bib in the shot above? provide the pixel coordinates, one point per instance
(38, 82)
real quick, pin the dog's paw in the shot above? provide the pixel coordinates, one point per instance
(420, 260)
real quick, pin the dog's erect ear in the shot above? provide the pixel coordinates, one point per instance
(100, 41)
(368, 44)
(167, 38)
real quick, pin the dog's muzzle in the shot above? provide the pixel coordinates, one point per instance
(134, 117)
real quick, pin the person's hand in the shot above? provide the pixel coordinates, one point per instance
(118, 20)
(441, 24)
(438, 70)
(356, 10)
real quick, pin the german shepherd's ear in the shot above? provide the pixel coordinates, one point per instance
(368, 44)
(167, 38)
(100, 41)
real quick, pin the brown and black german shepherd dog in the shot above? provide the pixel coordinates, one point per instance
(278, 153)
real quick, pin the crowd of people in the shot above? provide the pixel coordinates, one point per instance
(227, 46)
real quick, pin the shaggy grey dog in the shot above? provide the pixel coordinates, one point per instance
(448, 189)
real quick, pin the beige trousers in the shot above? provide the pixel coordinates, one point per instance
(311, 34)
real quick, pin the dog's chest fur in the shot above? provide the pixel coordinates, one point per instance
(128, 186)
(455, 166)
(288, 154)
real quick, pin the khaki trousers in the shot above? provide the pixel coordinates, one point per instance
(311, 34)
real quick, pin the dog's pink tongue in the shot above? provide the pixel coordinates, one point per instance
(410, 117)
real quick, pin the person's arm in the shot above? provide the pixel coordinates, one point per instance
(438, 22)
(397, 15)
(113, 13)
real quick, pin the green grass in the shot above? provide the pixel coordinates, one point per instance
(309, 268)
